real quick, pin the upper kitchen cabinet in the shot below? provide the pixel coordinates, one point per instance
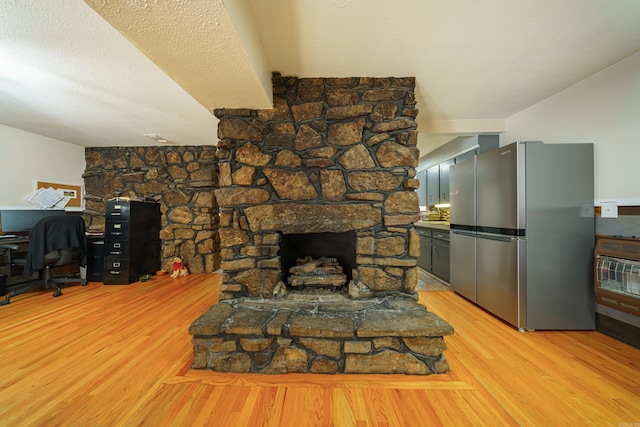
(422, 190)
(433, 185)
(438, 183)
(444, 181)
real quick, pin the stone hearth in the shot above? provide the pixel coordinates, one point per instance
(320, 333)
(334, 163)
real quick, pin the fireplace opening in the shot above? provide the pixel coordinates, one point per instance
(319, 248)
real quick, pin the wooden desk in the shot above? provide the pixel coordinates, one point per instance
(95, 259)
(14, 272)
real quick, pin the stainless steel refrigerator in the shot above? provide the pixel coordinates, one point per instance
(522, 234)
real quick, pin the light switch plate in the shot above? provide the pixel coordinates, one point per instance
(609, 210)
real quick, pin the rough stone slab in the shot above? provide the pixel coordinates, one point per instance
(391, 220)
(247, 322)
(292, 185)
(211, 321)
(357, 157)
(286, 360)
(220, 345)
(402, 202)
(392, 343)
(301, 218)
(347, 306)
(373, 197)
(360, 347)
(255, 344)
(328, 348)
(429, 346)
(441, 365)
(387, 261)
(322, 365)
(275, 325)
(391, 155)
(406, 304)
(250, 154)
(409, 323)
(234, 362)
(230, 127)
(309, 325)
(200, 353)
(385, 362)
(230, 196)
(277, 304)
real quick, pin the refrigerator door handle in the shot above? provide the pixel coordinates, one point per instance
(464, 233)
(497, 238)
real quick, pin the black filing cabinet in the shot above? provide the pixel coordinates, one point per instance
(132, 241)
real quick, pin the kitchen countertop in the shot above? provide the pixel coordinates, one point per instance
(440, 225)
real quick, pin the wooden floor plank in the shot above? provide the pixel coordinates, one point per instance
(120, 355)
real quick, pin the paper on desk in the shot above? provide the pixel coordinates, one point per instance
(63, 202)
(45, 198)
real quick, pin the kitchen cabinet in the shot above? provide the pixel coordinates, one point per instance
(434, 251)
(440, 255)
(438, 183)
(444, 180)
(424, 260)
(433, 185)
(422, 190)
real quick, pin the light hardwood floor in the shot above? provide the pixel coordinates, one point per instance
(120, 356)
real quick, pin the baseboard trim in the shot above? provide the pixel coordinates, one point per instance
(628, 334)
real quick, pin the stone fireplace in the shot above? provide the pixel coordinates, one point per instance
(318, 248)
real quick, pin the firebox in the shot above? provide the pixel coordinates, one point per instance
(341, 246)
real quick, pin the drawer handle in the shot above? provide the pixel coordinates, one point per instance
(115, 253)
(115, 272)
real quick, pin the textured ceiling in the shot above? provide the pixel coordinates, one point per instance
(105, 72)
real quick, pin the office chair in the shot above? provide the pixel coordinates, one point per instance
(54, 241)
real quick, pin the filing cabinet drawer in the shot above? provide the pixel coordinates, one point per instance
(117, 248)
(116, 270)
(117, 229)
(117, 210)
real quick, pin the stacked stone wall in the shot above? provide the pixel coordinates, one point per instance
(333, 155)
(181, 178)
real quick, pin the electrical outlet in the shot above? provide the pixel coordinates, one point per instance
(609, 210)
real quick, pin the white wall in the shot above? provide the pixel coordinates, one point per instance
(603, 109)
(26, 157)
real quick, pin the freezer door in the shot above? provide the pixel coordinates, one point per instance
(463, 265)
(498, 278)
(499, 186)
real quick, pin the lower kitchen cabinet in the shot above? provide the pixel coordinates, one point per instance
(424, 260)
(434, 252)
(440, 255)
